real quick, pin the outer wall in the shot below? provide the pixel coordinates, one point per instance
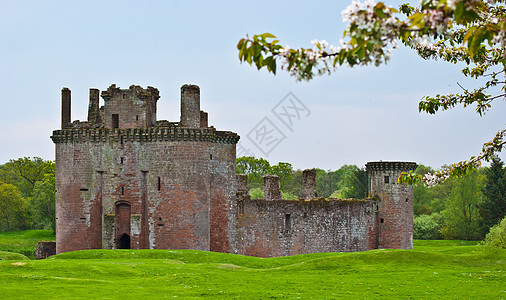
(290, 227)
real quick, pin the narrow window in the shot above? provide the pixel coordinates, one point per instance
(288, 221)
(159, 183)
(115, 121)
(124, 96)
(382, 221)
(137, 118)
(210, 156)
(121, 140)
(122, 190)
(387, 179)
(406, 199)
(83, 190)
(121, 160)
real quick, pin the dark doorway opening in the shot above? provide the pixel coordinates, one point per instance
(124, 242)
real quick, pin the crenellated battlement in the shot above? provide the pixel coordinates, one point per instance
(173, 133)
(390, 165)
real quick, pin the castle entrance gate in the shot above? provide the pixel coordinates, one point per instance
(122, 225)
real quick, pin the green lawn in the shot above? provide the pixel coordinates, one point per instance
(24, 242)
(435, 269)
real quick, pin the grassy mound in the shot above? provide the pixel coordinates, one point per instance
(25, 241)
(4, 255)
(435, 269)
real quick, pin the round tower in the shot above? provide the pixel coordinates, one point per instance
(395, 218)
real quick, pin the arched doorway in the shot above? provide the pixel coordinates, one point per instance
(122, 225)
(124, 242)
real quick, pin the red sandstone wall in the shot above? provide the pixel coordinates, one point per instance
(178, 214)
(168, 185)
(223, 187)
(265, 230)
(78, 207)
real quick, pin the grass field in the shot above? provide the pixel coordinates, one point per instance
(24, 242)
(434, 269)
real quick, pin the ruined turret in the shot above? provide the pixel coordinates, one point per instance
(395, 205)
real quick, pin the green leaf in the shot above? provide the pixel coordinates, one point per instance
(267, 35)
(459, 11)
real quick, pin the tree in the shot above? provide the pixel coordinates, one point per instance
(326, 182)
(493, 207)
(472, 32)
(355, 185)
(255, 168)
(423, 196)
(461, 213)
(284, 171)
(293, 186)
(13, 208)
(25, 172)
(42, 203)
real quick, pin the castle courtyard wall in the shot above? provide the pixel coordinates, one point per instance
(290, 227)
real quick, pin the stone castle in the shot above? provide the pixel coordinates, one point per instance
(125, 180)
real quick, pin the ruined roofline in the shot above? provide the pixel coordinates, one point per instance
(140, 92)
(171, 133)
(134, 107)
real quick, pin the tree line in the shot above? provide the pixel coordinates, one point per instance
(27, 194)
(349, 181)
(463, 208)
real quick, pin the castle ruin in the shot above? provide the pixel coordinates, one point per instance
(125, 180)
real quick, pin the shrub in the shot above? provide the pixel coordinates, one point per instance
(427, 227)
(497, 236)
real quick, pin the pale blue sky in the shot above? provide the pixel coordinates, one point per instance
(357, 115)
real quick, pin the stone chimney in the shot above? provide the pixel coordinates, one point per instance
(308, 190)
(93, 108)
(65, 108)
(190, 106)
(203, 119)
(272, 190)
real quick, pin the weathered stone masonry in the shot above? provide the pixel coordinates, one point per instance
(126, 180)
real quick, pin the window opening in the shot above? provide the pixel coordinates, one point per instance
(115, 121)
(159, 183)
(387, 179)
(288, 221)
(122, 190)
(382, 221)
